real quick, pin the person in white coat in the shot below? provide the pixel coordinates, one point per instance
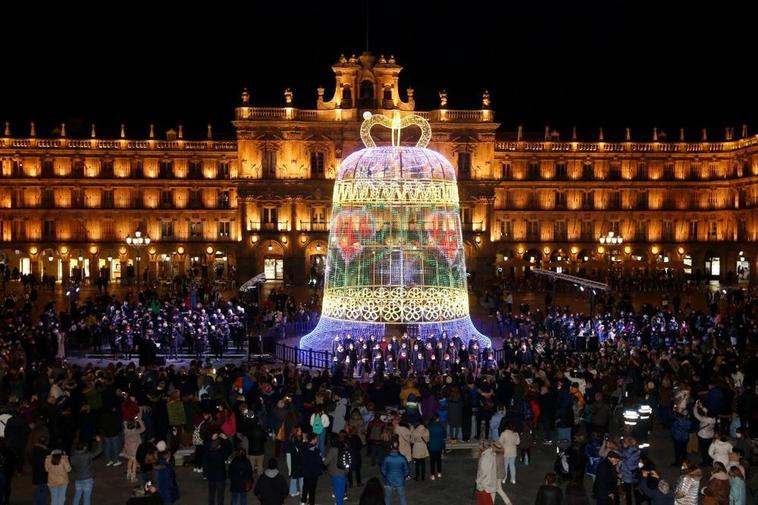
(403, 433)
(510, 440)
(720, 449)
(420, 451)
(489, 472)
(705, 431)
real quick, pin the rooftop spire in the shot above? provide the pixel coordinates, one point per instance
(7, 128)
(152, 131)
(33, 130)
(123, 131)
(92, 133)
(210, 132)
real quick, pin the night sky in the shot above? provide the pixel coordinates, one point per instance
(589, 63)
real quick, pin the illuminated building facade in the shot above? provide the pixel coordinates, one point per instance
(262, 202)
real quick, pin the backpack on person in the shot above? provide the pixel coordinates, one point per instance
(344, 457)
(318, 426)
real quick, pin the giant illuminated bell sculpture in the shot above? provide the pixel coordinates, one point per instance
(395, 258)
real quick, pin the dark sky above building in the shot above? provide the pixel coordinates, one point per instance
(611, 63)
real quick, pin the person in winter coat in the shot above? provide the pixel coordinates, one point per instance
(630, 460)
(338, 414)
(256, 444)
(737, 489)
(57, 467)
(403, 434)
(319, 422)
(605, 487)
(549, 493)
(81, 470)
(720, 449)
(111, 424)
(717, 490)
(240, 477)
(656, 489)
(355, 444)
(510, 440)
(436, 446)
(395, 469)
(705, 431)
(337, 474)
(39, 453)
(312, 468)
(680, 433)
(214, 470)
(165, 476)
(271, 488)
(132, 438)
(420, 451)
(292, 449)
(687, 488)
(488, 479)
(455, 413)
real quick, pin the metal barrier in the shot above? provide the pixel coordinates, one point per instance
(305, 357)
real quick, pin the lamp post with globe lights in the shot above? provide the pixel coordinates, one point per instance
(138, 241)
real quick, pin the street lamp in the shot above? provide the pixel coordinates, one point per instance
(611, 239)
(138, 241)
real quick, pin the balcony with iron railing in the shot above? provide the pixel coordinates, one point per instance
(270, 226)
(314, 226)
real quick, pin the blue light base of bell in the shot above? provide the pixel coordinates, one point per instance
(323, 335)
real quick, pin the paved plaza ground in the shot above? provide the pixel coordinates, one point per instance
(456, 486)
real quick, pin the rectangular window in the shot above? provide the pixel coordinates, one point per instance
(224, 228)
(224, 201)
(273, 267)
(561, 172)
(269, 164)
(615, 227)
(317, 165)
(48, 198)
(532, 230)
(47, 168)
(196, 229)
(166, 169)
(615, 200)
(507, 171)
(464, 166)
(668, 171)
(167, 199)
(106, 199)
(713, 231)
(560, 200)
(588, 200)
(642, 170)
(642, 200)
(693, 230)
(222, 170)
(668, 231)
(533, 170)
(270, 218)
(640, 231)
(588, 231)
(195, 169)
(506, 230)
(588, 171)
(560, 231)
(106, 169)
(167, 229)
(614, 171)
(78, 170)
(48, 229)
(136, 169)
(466, 223)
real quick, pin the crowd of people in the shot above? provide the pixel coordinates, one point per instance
(275, 432)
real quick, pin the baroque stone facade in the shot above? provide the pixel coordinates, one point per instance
(262, 202)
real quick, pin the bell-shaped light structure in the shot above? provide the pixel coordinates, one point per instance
(395, 260)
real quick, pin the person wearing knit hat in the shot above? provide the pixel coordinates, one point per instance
(161, 446)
